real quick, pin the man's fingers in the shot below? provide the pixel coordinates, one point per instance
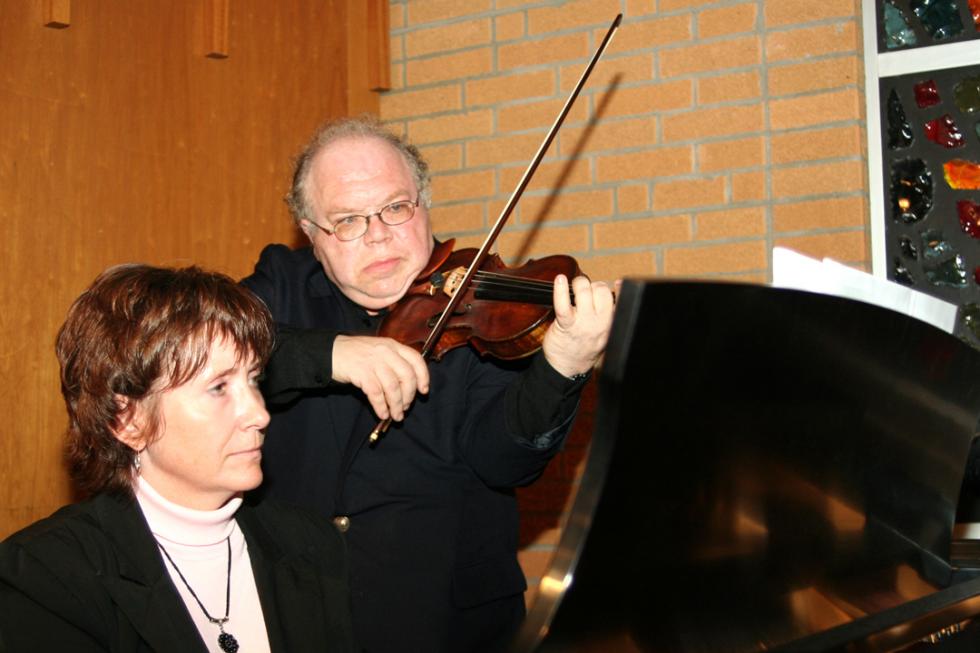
(602, 297)
(562, 300)
(387, 372)
(376, 397)
(577, 337)
(419, 368)
(582, 288)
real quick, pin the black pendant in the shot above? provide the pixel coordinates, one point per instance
(228, 643)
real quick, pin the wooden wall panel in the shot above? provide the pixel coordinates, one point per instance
(124, 142)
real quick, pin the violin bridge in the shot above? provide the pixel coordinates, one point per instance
(453, 281)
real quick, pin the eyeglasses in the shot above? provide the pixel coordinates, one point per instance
(352, 227)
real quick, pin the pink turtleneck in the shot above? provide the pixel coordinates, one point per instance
(195, 539)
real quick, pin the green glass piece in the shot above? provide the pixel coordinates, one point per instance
(966, 94)
(951, 272)
(934, 246)
(970, 314)
(898, 34)
(941, 18)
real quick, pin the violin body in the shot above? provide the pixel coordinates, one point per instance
(504, 312)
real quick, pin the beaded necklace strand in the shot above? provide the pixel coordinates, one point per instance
(226, 641)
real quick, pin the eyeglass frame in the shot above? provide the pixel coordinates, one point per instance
(332, 231)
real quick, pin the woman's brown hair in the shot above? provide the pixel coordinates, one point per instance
(136, 331)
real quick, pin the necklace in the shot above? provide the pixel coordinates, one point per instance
(226, 641)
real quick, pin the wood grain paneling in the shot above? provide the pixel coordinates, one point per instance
(368, 52)
(123, 142)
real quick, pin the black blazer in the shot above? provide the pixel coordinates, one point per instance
(433, 518)
(91, 578)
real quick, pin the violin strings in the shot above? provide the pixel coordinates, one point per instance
(506, 284)
(521, 288)
(498, 275)
(508, 280)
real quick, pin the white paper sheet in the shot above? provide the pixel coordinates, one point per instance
(794, 270)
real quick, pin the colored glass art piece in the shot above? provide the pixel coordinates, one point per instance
(943, 131)
(934, 245)
(975, 12)
(908, 248)
(911, 190)
(969, 213)
(971, 318)
(930, 147)
(898, 34)
(966, 94)
(902, 274)
(899, 130)
(960, 174)
(926, 94)
(941, 18)
(951, 272)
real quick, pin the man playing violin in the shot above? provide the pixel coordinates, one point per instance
(429, 511)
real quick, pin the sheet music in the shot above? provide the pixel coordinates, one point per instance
(794, 270)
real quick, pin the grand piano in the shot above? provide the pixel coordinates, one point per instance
(770, 470)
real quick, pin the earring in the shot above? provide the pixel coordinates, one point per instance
(136, 463)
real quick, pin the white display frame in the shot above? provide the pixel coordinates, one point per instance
(890, 64)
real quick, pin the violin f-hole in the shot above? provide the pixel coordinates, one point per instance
(461, 310)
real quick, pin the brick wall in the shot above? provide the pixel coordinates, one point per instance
(710, 132)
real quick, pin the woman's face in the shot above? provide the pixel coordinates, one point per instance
(208, 447)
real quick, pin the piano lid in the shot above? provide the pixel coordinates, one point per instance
(770, 470)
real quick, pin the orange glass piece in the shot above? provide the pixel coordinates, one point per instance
(975, 12)
(962, 175)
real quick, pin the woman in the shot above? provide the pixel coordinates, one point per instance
(159, 370)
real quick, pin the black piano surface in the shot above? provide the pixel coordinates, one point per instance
(770, 470)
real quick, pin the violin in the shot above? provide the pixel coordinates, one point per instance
(504, 311)
(474, 281)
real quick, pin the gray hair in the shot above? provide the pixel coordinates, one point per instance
(365, 126)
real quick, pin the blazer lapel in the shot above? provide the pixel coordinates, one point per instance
(287, 586)
(142, 589)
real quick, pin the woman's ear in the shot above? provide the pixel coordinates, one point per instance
(130, 423)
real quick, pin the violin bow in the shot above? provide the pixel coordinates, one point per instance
(484, 250)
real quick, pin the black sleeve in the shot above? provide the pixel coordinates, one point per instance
(515, 422)
(540, 402)
(302, 358)
(301, 361)
(50, 607)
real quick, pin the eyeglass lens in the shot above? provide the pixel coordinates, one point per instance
(355, 226)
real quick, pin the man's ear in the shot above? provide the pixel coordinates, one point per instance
(307, 228)
(130, 423)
